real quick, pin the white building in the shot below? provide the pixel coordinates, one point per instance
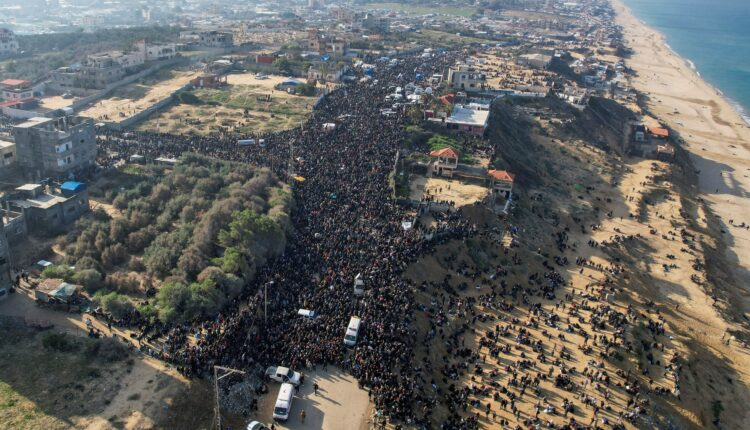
(468, 120)
(158, 51)
(466, 78)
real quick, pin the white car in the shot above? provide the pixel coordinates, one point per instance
(256, 425)
(284, 375)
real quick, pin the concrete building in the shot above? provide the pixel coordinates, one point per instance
(501, 183)
(13, 222)
(535, 60)
(55, 147)
(7, 155)
(466, 78)
(323, 44)
(325, 72)
(444, 162)
(16, 90)
(159, 51)
(212, 38)
(8, 43)
(94, 77)
(468, 120)
(49, 209)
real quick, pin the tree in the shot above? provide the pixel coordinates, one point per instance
(91, 279)
(115, 304)
(282, 64)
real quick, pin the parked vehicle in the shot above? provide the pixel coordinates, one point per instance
(283, 406)
(284, 375)
(352, 331)
(306, 313)
(256, 425)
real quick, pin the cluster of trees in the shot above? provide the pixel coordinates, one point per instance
(203, 230)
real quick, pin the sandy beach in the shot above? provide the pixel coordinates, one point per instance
(718, 142)
(714, 133)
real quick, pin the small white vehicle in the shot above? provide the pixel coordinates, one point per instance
(359, 285)
(284, 375)
(283, 407)
(306, 313)
(352, 331)
(256, 425)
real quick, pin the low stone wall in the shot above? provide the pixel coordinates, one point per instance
(144, 114)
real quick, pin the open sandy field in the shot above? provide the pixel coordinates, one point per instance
(239, 107)
(442, 189)
(131, 99)
(339, 404)
(56, 102)
(139, 393)
(714, 133)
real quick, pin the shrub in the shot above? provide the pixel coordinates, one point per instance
(124, 283)
(59, 272)
(91, 279)
(115, 304)
(148, 311)
(106, 349)
(59, 342)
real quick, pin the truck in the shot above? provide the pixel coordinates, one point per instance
(284, 375)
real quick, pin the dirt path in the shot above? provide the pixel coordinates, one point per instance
(340, 403)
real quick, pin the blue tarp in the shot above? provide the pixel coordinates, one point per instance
(72, 187)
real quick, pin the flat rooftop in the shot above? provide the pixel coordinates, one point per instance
(44, 201)
(466, 116)
(6, 144)
(33, 122)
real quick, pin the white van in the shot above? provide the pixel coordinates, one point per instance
(306, 313)
(283, 403)
(352, 331)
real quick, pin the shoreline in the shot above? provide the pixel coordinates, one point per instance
(711, 130)
(740, 109)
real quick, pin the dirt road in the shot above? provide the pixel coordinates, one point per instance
(340, 403)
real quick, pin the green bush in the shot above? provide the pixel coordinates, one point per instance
(148, 311)
(91, 279)
(59, 272)
(59, 342)
(115, 304)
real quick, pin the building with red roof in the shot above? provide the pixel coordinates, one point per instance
(16, 90)
(444, 161)
(501, 182)
(659, 132)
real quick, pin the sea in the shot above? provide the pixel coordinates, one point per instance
(713, 36)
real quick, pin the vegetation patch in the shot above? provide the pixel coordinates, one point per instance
(197, 234)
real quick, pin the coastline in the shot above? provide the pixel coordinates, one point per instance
(717, 139)
(742, 110)
(713, 131)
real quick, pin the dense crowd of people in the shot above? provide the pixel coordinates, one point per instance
(345, 224)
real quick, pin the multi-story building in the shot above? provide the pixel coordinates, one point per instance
(95, 75)
(159, 51)
(215, 38)
(323, 44)
(49, 208)
(466, 78)
(7, 155)
(8, 43)
(55, 147)
(16, 90)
